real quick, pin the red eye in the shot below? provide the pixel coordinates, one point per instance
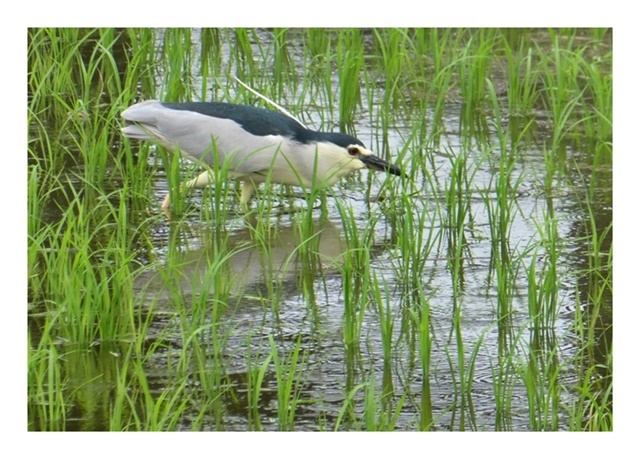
(353, 151)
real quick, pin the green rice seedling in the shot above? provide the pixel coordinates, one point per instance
(317, 41)
(500, 220)
(53, 59)
(93, 137)
(217, 195)
(74, 294)
(255, 380)
(598, 99)
(599, 245)
(503, 378)
(91, 376)
(392, 54)
(289, 378)
(540, 374)
(86, 133)
(355, 269)
(200, 294)
(43, 155)
(416, 43)
(435, 78)
(474, 66)
(319, 47)
(242, 56)
(592, 409)
(172, 165)
(80, 377)
(376, 419)
(147, 409)
(204, 350)
(100, 74)
(594, 356)
(386, 319)
(420, 81)
(35, 201)
(143, 60)
(592, 323)
(281, 66)
(522, 91)
(47, 404)
(542, 295)
(355, 273)
(177, 53)
(501, 209)
(418, 235)
(73, 67)
(563, 125)
(138, 175)
(308, 257)
(462, 367)
(347, 409)
(350, 62)
(391, 47)
(600, 284)
(210, 60)
(370, 406)
(263, 235)
(599, 34)
(561, 87)
(309, 227)
(426, 346)
(458, 216)
(84, 71)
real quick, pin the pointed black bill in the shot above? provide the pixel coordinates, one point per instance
(379, 164)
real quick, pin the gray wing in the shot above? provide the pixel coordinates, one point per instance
(193, 134)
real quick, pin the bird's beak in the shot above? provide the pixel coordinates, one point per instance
(379, 164)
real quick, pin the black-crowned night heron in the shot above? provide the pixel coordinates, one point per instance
(259, 144)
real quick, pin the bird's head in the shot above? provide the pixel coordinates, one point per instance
(354, 155)
(358, 152)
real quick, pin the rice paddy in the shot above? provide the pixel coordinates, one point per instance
(474, 295)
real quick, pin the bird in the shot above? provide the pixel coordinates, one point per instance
(259, 144)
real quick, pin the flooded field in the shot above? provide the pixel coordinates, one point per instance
(475, 294)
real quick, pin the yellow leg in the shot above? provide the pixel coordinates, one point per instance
(166, 204)
(248, 188)
(200, 181)
(205, 178)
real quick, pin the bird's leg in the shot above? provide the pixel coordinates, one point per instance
(166, 205)
(200, 181)
(248, 187)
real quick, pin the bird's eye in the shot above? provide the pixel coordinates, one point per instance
(353, 151)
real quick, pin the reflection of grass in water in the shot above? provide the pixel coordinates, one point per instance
(92, 215)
